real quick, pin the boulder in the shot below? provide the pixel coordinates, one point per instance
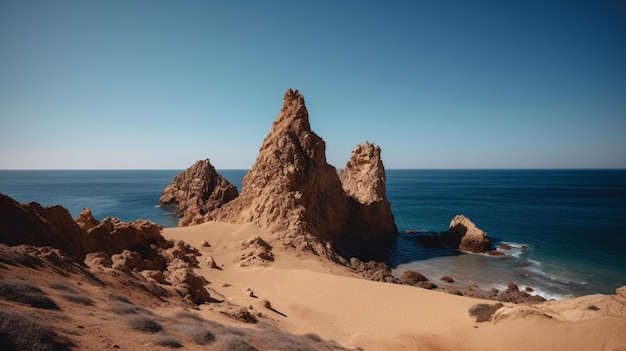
(197, 190)
(293, 192)
(464, 234)
(412, 277)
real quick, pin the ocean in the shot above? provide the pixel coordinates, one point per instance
(572, 221)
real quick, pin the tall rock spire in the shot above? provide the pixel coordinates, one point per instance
(293, 192)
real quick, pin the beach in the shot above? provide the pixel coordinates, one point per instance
(312, 295)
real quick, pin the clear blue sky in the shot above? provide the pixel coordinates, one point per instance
(437, 84)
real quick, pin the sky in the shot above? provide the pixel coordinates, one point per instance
(125, 84)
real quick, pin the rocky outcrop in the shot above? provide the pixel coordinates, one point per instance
(33, 224)
(293, 192)
(464, 234)
(363, 179)
(85, 219)
(196, 191)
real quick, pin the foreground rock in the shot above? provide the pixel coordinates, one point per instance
(293, 192)
(110, 244)
(196, 191)
(464, 234)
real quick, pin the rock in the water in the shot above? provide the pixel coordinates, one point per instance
(196, 191)
(293, 192)
(464, 234)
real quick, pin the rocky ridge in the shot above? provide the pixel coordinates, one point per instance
(110, 244)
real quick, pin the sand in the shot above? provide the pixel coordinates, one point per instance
(309, 294)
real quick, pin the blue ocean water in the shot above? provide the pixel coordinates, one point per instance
(571, 220)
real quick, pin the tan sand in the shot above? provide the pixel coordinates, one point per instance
(312, 295)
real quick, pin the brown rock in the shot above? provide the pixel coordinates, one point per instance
(196, 191)
(505, 247)
(293, 192)
(192, 284)
(529, 289)
(512, 287)
(96, 259)
(210, 261)
(464, 234)
(447, 279)
(412, 278)
(85, 219)
(32, 224)
(255, 250)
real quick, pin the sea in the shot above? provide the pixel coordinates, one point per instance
(566, 228)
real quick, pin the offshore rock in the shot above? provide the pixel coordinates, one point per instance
(293, 192)
(196, 191)
(464, 234)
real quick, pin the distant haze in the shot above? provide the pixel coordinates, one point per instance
(437, 84)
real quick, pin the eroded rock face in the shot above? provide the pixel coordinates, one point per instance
(197, 190)
(33, 224)
(292, 191)
(464, 234)
(363, 179)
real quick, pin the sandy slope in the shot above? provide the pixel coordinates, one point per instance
(309, 294)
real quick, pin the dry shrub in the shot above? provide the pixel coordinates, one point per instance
(483, 312)
(196, 333)
(166, 340)
(287, 342)
(62, 287)
(120, 298)
(123, 308)
(143, 323)
(20, 331)
(312, 337)
(189, 315)
(230, 342)
(77, 298)
(24, 292)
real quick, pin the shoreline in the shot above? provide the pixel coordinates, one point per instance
(314, 295)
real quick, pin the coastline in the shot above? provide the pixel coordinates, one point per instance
(314, 295)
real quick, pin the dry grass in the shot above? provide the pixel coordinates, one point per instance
(197, 333)
(230, 342)
(123, 308)
(143, 323)
(20, 331)
(21, 291)
(164, 339)
(77, 298)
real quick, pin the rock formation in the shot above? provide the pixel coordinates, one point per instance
(464, 234)
(292, 191)
(130, 247)
(197, 190)
(33, 224)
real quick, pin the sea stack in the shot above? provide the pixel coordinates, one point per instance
(464, 234)
(196, 191)
(294, 193)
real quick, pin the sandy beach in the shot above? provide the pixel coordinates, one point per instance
(312, 295)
